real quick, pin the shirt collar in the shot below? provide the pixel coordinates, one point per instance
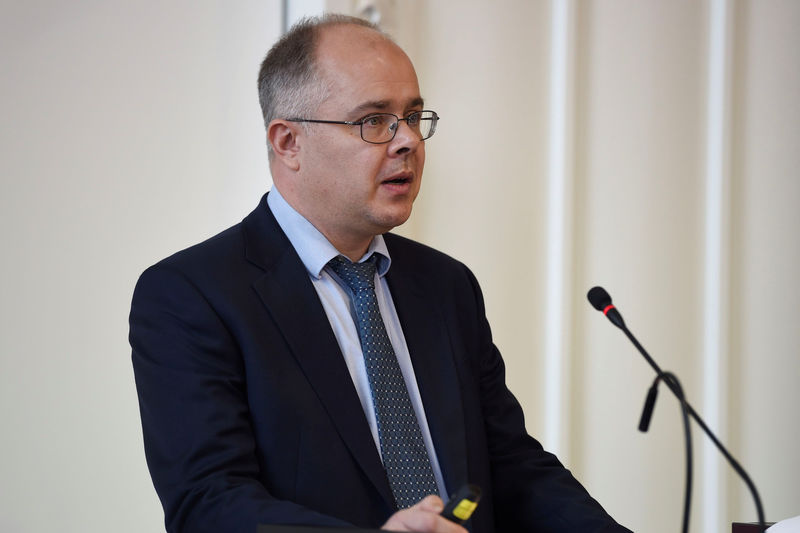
(314, 249)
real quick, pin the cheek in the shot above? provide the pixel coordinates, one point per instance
(330, 168)
(365, 167)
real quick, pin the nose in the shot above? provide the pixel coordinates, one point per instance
(405, 141)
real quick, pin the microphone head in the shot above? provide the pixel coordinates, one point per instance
(599, 298)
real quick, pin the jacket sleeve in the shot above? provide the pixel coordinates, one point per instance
(532, 490)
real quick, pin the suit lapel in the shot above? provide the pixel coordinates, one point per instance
(290, 298)
(432, 356)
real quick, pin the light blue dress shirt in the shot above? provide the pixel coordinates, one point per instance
(315, 252)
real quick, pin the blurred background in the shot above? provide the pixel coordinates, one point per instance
(648, 146)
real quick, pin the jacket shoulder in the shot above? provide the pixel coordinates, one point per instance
(405, 249)
(224, 245)
(433, 269)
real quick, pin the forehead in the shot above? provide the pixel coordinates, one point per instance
(361, 65)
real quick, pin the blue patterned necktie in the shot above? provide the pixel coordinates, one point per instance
(404, 455)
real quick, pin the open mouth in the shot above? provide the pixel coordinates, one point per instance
(398, 179)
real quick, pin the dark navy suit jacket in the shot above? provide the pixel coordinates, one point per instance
(250, 415)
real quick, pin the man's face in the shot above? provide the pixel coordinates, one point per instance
(352, 190)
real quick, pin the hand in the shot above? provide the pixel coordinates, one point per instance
(423, 517)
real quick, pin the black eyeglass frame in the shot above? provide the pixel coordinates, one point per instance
(434, 118)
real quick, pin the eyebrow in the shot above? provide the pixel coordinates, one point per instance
(383, 104)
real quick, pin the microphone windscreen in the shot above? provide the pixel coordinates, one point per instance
(599, 298)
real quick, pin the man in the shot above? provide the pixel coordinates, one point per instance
(268, 358)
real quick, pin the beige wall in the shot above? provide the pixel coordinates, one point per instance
(681, 131)
(765, 249)
(131, 130)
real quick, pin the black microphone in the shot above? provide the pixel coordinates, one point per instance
(601, 301)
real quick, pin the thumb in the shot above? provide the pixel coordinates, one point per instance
(432, 504)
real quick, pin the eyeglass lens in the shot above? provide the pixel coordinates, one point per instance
(381, 127)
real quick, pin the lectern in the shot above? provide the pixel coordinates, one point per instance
(308, 529)
(747, 527)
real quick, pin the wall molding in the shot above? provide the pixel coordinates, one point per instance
(717, 251)
(557, 353)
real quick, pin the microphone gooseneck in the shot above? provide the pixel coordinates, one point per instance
(644, 424)
(601, 300)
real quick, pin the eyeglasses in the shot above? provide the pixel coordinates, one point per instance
(380, 128)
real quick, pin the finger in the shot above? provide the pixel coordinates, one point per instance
(423, 517)
(432, 504)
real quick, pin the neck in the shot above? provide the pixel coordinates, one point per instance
(349, 244)
(353, 249)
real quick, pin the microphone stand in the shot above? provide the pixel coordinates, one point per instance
(601, 301)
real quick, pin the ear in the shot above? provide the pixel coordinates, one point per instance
(284, 138)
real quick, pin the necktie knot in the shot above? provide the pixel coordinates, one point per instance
(357, 276)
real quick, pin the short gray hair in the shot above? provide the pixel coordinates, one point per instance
(289, 84)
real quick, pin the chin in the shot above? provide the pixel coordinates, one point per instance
(391, 215)
(385, 224)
